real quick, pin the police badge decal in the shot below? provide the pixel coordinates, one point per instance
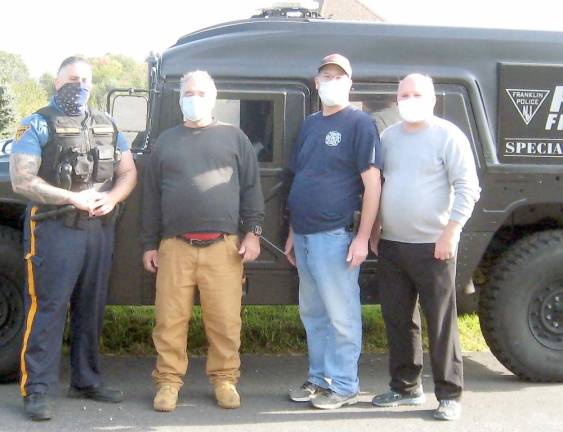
(333, 138)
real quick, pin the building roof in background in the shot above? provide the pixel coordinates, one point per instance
(348, 10)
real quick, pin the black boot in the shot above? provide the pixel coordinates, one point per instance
(36, 407)
(100, 394)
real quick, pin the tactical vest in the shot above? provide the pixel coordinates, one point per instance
(81, 152)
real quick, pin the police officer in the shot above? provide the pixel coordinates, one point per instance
(74, 167)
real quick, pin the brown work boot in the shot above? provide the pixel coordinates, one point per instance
(226, 394)
(166, 398)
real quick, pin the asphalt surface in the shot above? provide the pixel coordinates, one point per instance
(494, 400)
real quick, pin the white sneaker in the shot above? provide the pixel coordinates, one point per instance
(448, 409)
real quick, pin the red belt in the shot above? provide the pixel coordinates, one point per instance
(202, 236)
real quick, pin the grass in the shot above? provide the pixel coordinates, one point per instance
(266, 329)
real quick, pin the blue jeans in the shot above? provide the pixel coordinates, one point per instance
(329, 305)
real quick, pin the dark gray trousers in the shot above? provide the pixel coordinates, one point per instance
(409, 272)
(64, 266)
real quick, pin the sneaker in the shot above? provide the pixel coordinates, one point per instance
(305, 393)
(36, 407)
(99, 393)
(227, 395)
(328, 399)
(166, 398)
(394, 399)
(448, 409)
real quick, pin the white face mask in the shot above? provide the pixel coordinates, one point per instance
(334, 92)
(416, 109)
(196, 108)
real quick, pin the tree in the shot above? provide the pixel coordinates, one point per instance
(115, 71)
(30, 97)
(12, 68)
(7, 112)
(47, 83)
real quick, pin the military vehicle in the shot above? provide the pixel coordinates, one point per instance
(503, 88)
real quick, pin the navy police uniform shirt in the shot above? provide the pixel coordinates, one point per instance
(33, 133)
(330, 155)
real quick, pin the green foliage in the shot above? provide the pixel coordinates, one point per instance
(470, 333)
(12, 68)
(20, 95)
(7, 112)
(115, 71)
(47, 83)
(265, 329)
(30, 97)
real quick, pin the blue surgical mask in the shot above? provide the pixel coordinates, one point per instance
(195, 108)
(72, 98)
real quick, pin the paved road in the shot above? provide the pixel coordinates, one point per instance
(494, 401)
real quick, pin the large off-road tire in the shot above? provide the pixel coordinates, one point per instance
(521, 308)
(11, 302)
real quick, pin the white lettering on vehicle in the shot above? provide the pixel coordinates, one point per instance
(555, 117)
(527, 102)
(533, 148)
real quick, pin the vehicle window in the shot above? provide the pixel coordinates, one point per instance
(381, 107)
(255, 118)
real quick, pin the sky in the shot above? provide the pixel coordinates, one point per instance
(44, 33)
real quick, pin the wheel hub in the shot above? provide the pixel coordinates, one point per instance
(11, 309)
(546, 315)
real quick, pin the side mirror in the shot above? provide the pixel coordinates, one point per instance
(6, 145)
(129, 109)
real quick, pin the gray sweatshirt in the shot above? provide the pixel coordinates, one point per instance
(430, 179)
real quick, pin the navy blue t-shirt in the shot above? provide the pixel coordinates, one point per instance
(330, 154)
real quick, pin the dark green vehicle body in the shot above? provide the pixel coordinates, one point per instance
(499, 86)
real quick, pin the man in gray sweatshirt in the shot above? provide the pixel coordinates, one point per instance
(430, 189)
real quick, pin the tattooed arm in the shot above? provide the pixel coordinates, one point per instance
(26, 182)
(23, 173)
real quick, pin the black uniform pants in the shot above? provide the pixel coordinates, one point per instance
(409, 272)
(64, 266)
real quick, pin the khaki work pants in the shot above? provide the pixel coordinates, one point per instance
(216, 271)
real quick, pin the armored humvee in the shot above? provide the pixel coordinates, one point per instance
(503, 88)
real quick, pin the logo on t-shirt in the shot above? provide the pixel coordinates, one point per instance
(333, 138)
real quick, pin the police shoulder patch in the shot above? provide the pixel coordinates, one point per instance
(21, 130)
